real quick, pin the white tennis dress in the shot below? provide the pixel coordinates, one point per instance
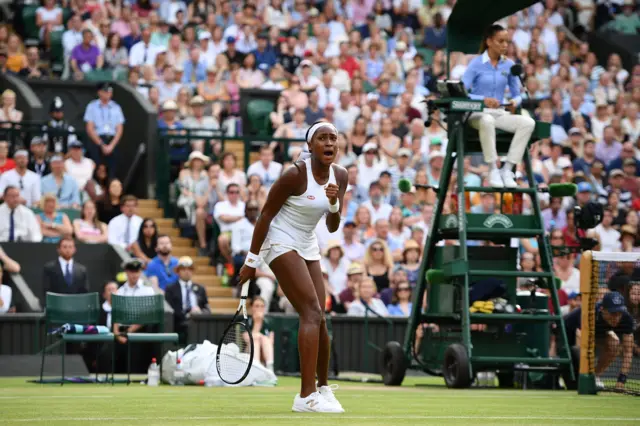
(294, 225)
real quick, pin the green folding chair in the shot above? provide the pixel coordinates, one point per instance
(81, 309)
(142, 310)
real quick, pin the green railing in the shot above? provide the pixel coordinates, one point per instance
(169, 140)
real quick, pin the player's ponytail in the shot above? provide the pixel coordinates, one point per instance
(489, 33)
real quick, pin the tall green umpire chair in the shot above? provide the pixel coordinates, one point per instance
(142, 310)
(83, 309)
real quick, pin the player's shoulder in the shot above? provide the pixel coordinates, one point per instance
(339, 171)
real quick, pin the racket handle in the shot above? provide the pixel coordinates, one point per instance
(245, 290)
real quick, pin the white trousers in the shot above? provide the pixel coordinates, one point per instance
(489, 120)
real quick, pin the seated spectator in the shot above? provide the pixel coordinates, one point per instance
(195, 71)
(64, 275)
(124, 228)
(79, 167)
(23, 178)
(185, 297)
(61, 185)
(54, 224)
(17, 222)
(568, 274)
(229, 173)
(33, 69)
(115, 54)
(16, 59)
(401, 303)
(170, 125)
(355, 273)
(86, 56)
(109, 205)
(72, 37)
(96, 187)
(626, 22)
(266, 168)
(190, 177)
(145, 247)
(255, 191)
(88, 229)
(378, 263)
(226, 213)
(262, 333)
(609, 237)
(161, 270)
(143, 52)
(411, 257)
(376, 205)
(336, 264)
(8, 113)
(168, 87)
(39, 163)
(365, 300)
(6, 163)
(202, 123)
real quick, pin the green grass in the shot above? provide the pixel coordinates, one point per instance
(23, 403)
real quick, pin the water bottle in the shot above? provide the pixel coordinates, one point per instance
(153, 374)
(225, 278)
(178, 374)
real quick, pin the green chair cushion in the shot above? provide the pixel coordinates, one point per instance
(152, 337)
(258, 111)
(29, 19)
(88, 337)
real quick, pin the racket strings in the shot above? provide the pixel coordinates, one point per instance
(234, 354)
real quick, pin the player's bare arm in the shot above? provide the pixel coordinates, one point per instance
(336, 193)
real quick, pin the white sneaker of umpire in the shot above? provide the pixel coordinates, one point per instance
(313, 403)
(327, 393)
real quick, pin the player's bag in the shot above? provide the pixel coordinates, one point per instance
(198, 364)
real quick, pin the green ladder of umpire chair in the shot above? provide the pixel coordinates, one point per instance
(145, 311)
(83, 309)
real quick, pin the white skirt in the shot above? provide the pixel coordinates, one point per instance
(271, 250)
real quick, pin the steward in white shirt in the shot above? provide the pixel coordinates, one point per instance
(123, 229)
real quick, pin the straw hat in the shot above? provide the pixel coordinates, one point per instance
(333, 244)
(197, 155)
(185, 262)
(411, 245)
(354, 269)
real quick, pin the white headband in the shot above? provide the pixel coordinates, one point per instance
(317, 126)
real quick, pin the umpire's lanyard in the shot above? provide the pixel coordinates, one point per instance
(106, 126)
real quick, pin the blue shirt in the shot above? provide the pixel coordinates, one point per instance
(483, 80)
(67, 194)
(165, 274)
(105, 118)
(268, 56)
(200, 71)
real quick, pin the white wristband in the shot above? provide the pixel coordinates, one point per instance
(333, 208)
(253, 260)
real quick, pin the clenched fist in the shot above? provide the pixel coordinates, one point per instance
(332, 193)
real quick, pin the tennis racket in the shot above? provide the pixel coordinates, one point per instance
(235, 349)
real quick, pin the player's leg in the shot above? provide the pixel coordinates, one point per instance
(257, 347)
(612, 348)
(324, 348)
(294, 279)
(267, 351)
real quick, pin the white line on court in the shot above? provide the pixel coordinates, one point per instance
(56, 396)
(337, 417)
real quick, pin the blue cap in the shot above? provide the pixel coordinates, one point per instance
(584, 187)
(613, 302)
(231, 39)
(573, 295)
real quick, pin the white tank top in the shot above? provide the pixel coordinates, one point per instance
(297, 219)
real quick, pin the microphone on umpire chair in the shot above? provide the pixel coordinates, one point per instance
(517, 70)
(405, 185)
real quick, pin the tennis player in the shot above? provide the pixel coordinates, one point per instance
(284, 238)
(486, 79)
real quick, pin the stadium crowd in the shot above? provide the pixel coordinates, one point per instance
(365, 66)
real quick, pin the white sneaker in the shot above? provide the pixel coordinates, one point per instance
(327, 393)
(508, 178)
(495, 179)
(314, 403)
(599, 384)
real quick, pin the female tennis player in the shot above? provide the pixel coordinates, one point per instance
(485, 79)
(284, 238)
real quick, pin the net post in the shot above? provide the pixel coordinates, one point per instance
(586, 376)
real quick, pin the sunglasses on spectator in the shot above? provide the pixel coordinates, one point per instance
(376, 249)
(233, 192)
(404, 289)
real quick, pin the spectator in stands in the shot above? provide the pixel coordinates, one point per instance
(608, 149)
(86, 56)
(266, 168)
(195, 70)
(365, 300)
(109, 205)
(104, 124)
(17, 222)
(96, 188)
(6, 164)
(168, 87)
(263, 335)
(336, 264)
(145, 247)
(72, 37)
(161, 269)
(185, 297)
(64, 275)
(8, 113)
(115, 55)
(189, 179)
(201, 122)
(58, 132)
(54, 224)
(23, 178)
(143, 52)
(626, 22)
(401, 303)
(88, 228)
(226, 213)
(79, 167)
(411, 257)
(229, 173)
(377, 207)
(61, 184)
(32, 69)
(39, 163)
(609, 237)
(124, 228)
(378, 263)
(15, 55)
